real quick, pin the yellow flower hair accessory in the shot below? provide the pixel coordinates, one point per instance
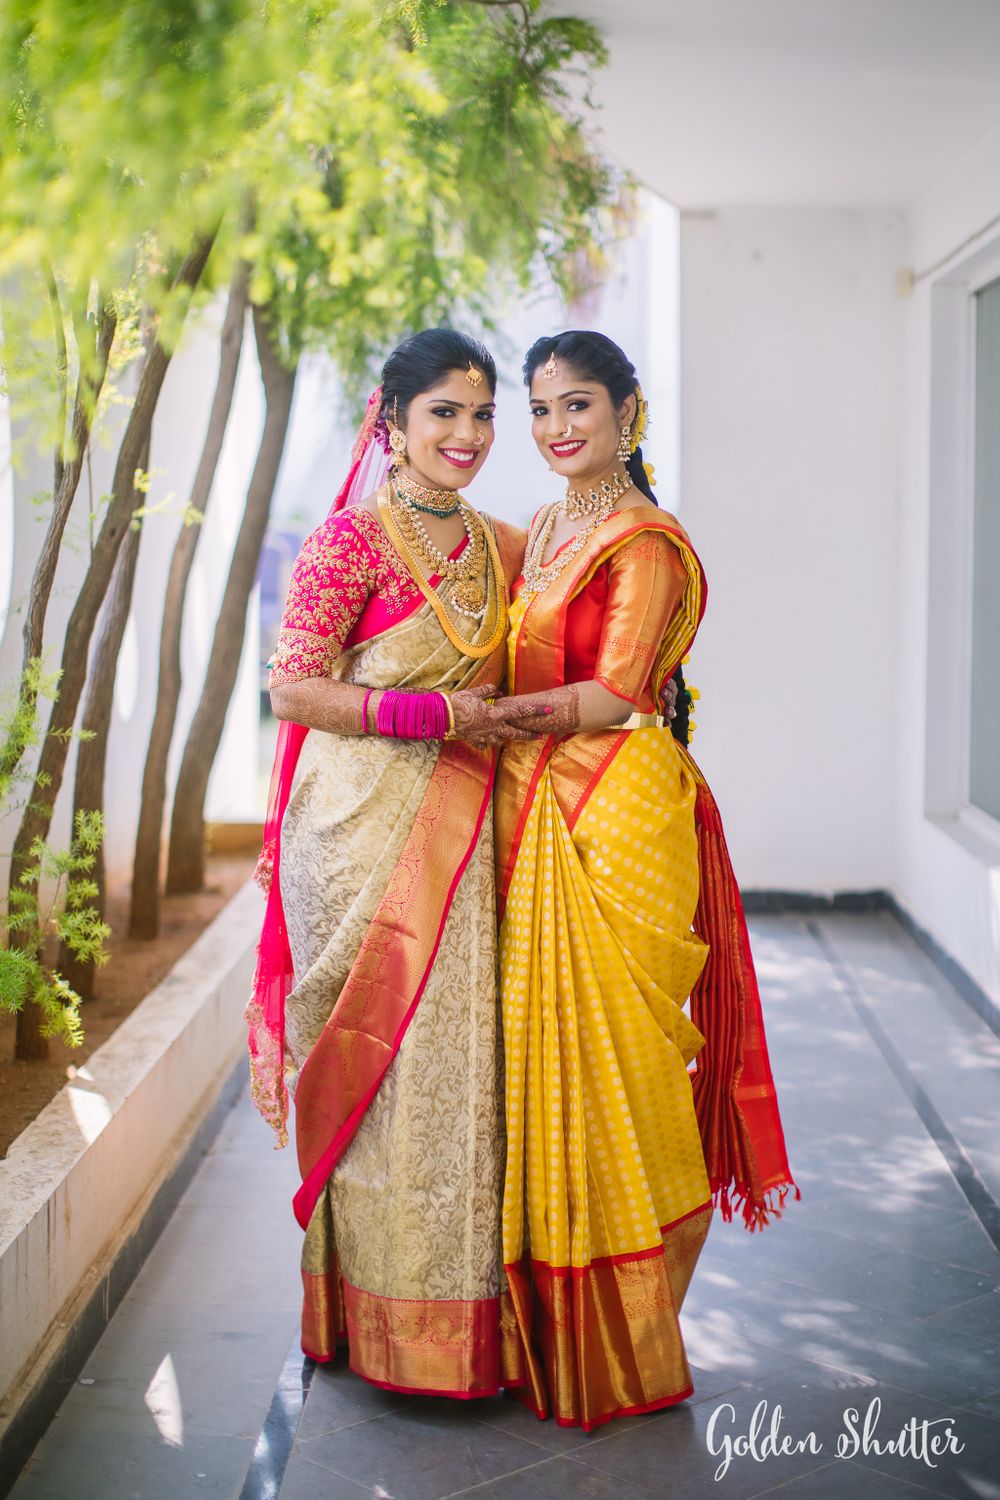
(650, 474)
(641, 422)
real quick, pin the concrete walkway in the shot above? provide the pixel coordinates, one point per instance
(879, 1292)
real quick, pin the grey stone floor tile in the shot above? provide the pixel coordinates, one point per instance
(508, 1414)
(986, 1406)
(844, 1480)
(141, 1334)
(799, 1404)
(937, 1362)
(974, 1472)
(669, 1455)
(128, 1466)
(979, 1317)
(339, 1398)
(899, 1282)
(959, 1242)
(205, 1256)
(835, 1404)
(306, 1481)
(556, 1479)
(423, 1452)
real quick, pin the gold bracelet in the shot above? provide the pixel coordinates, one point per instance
(450, 709)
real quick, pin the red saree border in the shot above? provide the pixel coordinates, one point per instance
(626, 1256)
(330, 1073)
(605, 1342)
(433, 1347)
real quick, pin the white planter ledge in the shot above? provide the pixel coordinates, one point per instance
(88, 1185)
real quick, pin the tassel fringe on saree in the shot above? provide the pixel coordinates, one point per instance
(618, 904)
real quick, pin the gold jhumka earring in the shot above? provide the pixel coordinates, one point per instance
(397, 438)
(625, 444)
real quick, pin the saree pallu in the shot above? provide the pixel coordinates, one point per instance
(392, 1032)
(609, 1189)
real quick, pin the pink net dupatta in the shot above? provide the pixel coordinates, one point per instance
(274, 977)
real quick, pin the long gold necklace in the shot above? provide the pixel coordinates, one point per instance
(596, 504)
(468, 572)
(422, 568)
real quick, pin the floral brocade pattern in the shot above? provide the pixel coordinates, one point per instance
(412, 1208)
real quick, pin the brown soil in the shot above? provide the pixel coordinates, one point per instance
(133, 969)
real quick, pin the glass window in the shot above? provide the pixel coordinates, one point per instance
(984, 757)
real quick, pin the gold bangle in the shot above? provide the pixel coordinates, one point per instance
(450, 709)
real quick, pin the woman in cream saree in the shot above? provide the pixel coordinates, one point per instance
(375, 998)
(618, 903)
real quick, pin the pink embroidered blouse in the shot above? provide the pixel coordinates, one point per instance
(348, 584)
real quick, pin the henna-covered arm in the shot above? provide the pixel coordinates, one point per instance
(335, 708)
(577, 708)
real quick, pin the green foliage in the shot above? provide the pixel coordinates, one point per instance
(405, 160)
(19, 726)
(54, 898)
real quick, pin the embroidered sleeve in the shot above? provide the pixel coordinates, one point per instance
(646, 580)
(333, 576)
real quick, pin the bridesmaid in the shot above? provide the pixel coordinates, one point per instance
(618, 902)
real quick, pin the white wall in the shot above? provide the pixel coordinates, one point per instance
(946, 874)
(789, 334)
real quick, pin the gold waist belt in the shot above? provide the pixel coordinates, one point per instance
(642, 721)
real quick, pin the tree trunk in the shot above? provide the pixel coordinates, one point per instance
(91, 758)
(186, 861)
(144, 917)
(68, 467)
(37, 817)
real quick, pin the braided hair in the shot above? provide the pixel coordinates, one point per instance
(598, 358)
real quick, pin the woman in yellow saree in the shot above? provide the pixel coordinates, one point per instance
(375, 994)
(617, 903)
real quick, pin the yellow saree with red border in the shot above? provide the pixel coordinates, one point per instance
(618, 904)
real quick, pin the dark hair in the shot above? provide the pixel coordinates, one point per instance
(424, 360)
(599, 358)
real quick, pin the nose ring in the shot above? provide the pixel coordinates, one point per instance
(568, 432)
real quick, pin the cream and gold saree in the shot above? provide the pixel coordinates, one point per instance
(392, 1038)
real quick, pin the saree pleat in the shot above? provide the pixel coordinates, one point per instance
(605, 1181)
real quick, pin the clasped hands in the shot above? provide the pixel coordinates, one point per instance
(483, 716)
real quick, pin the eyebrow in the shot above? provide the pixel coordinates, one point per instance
(473, 405)
(564, 397)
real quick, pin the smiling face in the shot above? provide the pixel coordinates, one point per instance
(449, 431)
(575, 425)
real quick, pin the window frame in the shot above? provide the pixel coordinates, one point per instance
(951, 538)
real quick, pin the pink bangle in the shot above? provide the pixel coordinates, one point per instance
(364, 711)
(412, 716)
